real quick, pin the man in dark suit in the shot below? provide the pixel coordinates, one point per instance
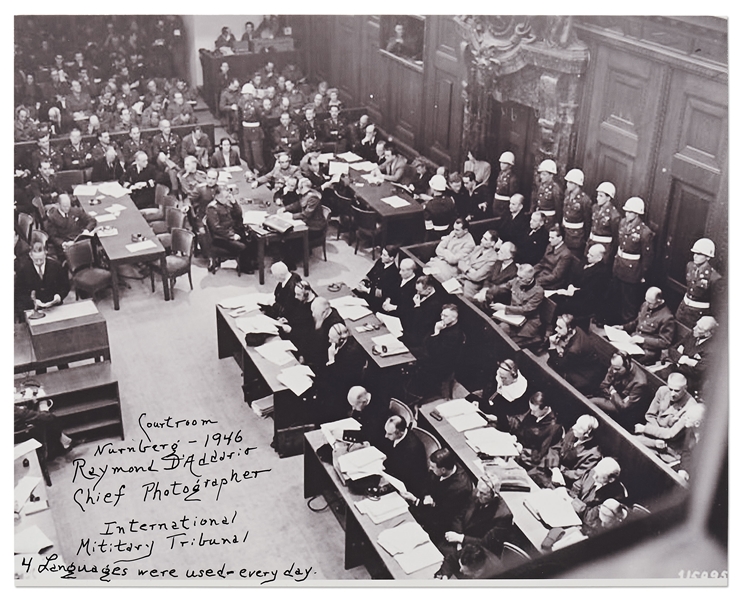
(44, 277)
(325, 316)
(514, 225)
(532, 246)
(554, 269)
(107, 168)
(419, 321)
(486, 521)
(405, 455)
(399, 301)
(370, 411)
(536, 432)
(225, 156)
(284, 294)
(197, 144)
(448, 491)
(595, 486)
(141, 177)
(592, 286)
(503, 271)
(381, 281)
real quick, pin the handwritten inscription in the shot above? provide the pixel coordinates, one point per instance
(157, 507)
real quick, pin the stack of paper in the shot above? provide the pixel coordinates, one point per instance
(277, 351)
(297, 378)
(23, 490)
(254, 217)
(140, 246)
(257, 324)
(113, 189)
(337, 168)
(402, 538)
(350, 157)
(395, 201)
(104, 218)
(354, 312)
(553, 507)
(455, 408)
(263, 407)
(372, 179)
(491, 442)
(466, 422)
(622, 340)
(248, 301)
(453, 286)
(85, 191)
(393, 324)
(334, 431)
(516, 320)
(423, 556)
(363, 166)
(361, 462)
(393, 345)
(109, 231)
(385, 508)
(326, 157)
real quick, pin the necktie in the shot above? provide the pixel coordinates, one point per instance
(40, 270)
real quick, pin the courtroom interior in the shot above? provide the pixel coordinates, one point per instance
(313, 298)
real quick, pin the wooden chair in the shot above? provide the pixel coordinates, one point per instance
(365, 224)
(206, 241)
(512, 556)
(396, 407)
(25, 224)
(428, 440)
(174, 219)
(179, 262)
(157, 213)
(160, 225)
(67, 180)
(86, 277)
(321, 241)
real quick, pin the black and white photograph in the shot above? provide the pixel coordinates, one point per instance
(423, 300)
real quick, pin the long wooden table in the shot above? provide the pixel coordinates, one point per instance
(361, 533)
(261, 199)
(529, 525)
(128, 222)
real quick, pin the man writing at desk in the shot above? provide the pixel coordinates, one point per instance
(66, 222)
(44, 278)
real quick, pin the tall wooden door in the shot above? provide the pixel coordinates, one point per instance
(690, 190)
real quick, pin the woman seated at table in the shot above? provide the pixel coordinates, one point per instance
(571, 354)
(505, 398)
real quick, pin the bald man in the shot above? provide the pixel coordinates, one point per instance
(692, 354)
(370, 411)
(574, 456)
(653, 328)
(592, 286)
(669, 406)
(284, 294)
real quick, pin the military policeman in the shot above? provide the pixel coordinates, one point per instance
(703, 283)
(605, 221)
(577, 213)
(633, 258)
(549, 195)
(505, 186)
(252, 132)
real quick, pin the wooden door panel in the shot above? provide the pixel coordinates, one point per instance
(373, 77)
(346, 58)
(440, 140)
(616, 167)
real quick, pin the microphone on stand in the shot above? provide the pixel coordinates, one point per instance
(36, 314)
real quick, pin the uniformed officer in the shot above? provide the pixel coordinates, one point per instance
(702, 285)
(190, 176)
(633, 259)
(605, 221)
(76, 154)
(200, 197)
(505, 186)
(334, 130)
(549, 195)
(285, 134)
(577, 213)
(224, 219)
(252, 132)
(166, 150)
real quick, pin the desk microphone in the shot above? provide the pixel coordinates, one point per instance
(36, 314)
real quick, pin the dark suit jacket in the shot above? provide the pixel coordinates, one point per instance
(579, 365)
(372, 419)
(65, 229)
(451, 497)
(145, 197)
(332, 382)
(532, 246)
(573, 459)
(514, 229)
(419, 322)
(27, 279)
(441, 353)
(284, 294)
(487, 524)
(218, 162)
(102, 172)
(407, 461)
(385, 280)
(591, 297)
(587, 498)
(555, 267)
(537, 437)
(402, 297)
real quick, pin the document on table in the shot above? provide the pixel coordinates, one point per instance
(337, 168)
(233, 169)
(372, 179)
(224, 177)
(277, 352)
(363, 166)
(570, 291)
(622, 340)
(334, 431)
(455, 408)
(393, 324)
(31, 541)
(553, 507)
(350, 157)
(85, 191)
(453, 286)
(353, 312)
(393, 345)
(402, 538)
(139, 246)
(254, 217)
(347, 301)
(468, 421)
(25, 447)
(516, 320)
(257, 324)
(107, 231)
(248, 301)
(491, 442)
(104, 218)
(326, 157)
(419, 558)
(298, 384)
(397, 484)
(23, 490)
(395, 201)
(113, 189)
(383, 509)
(360, 459)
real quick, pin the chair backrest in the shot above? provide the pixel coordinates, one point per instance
(25, 223)
(428, 440)
(326, 211)
(174, 218)
(513, 556)
(80, 255)
(364, 219)
(160, 192)
(38, 204)
(639, 510)
(183, 241)
(67, 180)
(39, 235)
(402, 410)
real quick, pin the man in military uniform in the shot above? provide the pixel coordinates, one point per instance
(252, 132)
(549, 195)
(285, 134)
(296, 98)
(633, 259)
(703, 285)
(166, 151)
(308, 126)
(200, 197)
(98, 151)
(334, 131)
(190, 177)
(526, 296)
(605, 221)
(654, 327)
(44, 184)
(505, 186)
(228, 110)
(577, 213)
(44, 152)
(76, 154)
(224, 219)
(198, 145)
(135, 144)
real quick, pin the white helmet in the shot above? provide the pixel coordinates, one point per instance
(704, 246)
(549, 166)
(607, 188)
(575, 176)
(248, 88)
(507, 157)
(438, 183)
(635, 205)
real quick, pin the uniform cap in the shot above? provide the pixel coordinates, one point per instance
(549, 166)
(635, 205)
(607, 188)
(507, 157)
(704, 246)
(438, 183)
(248, 88)
(575, 176)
